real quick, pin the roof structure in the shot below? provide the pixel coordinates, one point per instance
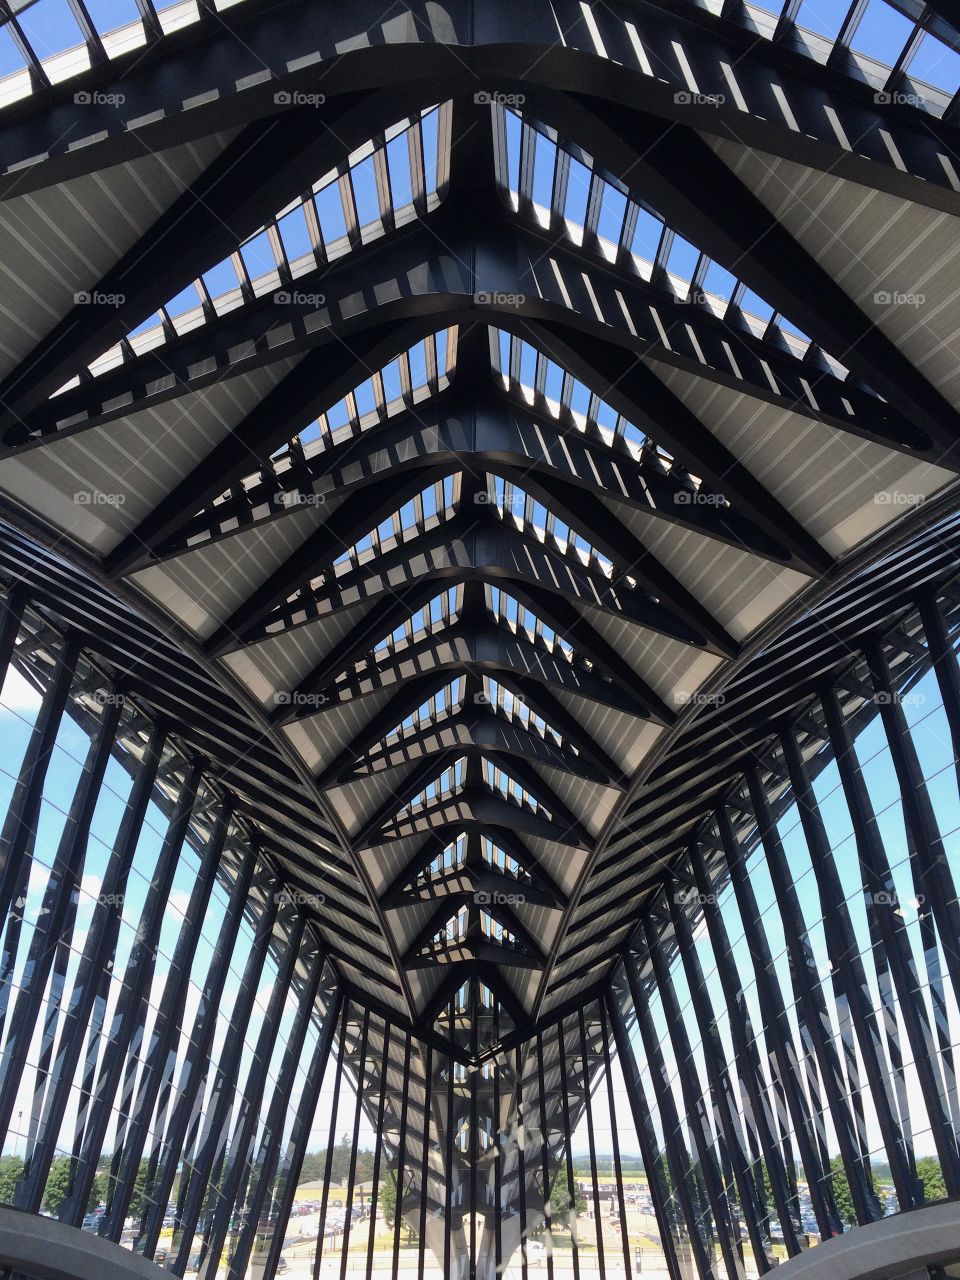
(480, 409)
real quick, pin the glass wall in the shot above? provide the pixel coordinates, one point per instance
(164, 1007)
(790, 1002)
(772, 1062)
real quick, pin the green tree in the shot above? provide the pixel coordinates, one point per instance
(313, 1166)
(387, 1205)
(931, 1175)
(58, 1185)
(59, 1182)
(842, 1194)
(11, 1171)
(560, 1203)
(139, 1200)
(340, 1164)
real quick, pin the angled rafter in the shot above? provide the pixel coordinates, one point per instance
(314, 385)
(474, 943)
(593, 762)
(338, 532)
(634, 390)
(553, 281)
(673, 167)
(481, 806)
(486, 549)
(535, 884)
(483, 431)
(775, 98)
(485, 648)
(396, 809)
(475, 731)
(259, 172)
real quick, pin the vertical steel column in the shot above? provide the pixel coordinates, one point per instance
(425, 1160)
(775, 1019)
(159, 1059)
(682, 1173)
(545, 1156)
(567, 1138)
(848, 971)
(358, 1110)
(328, 1163)
(401, 1155)
(20, 824)
(694, 1105)
(474, 1157)
(448, 1180)
(643, 1125)
(128, 1014)
(11, 615)
(615, 1142)
(57, 914)
(750, 1075)
(808, 994)
(196, 1065)
(721, 1089)
(236, 1163)
(521, 1162)
(131, 1037)
(93, 971)
(193, 1189)
(893, 945)
(938, 924)
(378, 1147)
(945, 667)
(919, 816)
(498, 1152)
(591, 1143)
(264, 1162)
(300, 1133)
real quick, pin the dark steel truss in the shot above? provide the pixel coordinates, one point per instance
(766, 1017)
(391, 660)
(506, 517)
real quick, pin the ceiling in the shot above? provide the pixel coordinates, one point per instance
(469, 432)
